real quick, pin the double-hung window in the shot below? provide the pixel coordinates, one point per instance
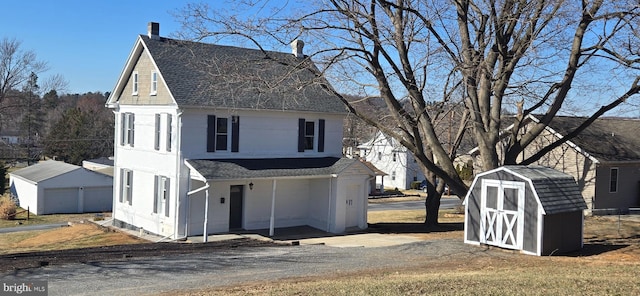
(309, 136)
(134, 83)
(219, 132)
(613, 180)
(161, 197)
(127, 128)
(126, 183)
(154, 83)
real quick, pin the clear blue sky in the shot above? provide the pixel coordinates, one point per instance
(87, 42)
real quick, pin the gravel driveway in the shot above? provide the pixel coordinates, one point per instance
(236, 265)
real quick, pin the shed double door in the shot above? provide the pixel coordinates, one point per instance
(502, 213)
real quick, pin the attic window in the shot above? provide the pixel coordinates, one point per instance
(134, 82)
(154, 83)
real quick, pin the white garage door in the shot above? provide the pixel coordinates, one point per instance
(98, 199)
(60, 200)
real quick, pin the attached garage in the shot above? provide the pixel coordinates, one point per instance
(54, 187)
(533, 209)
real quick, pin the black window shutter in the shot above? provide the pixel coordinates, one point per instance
(235, 133)
(211, 133)
(321, 135)
(301, 129)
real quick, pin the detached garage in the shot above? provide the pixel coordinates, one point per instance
(534, 209)
(55, 187)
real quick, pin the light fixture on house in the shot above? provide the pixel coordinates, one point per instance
(251, 186)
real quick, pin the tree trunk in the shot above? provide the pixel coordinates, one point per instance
(432, 205)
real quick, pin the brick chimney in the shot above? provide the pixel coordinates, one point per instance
(296, 48)
(153, 30)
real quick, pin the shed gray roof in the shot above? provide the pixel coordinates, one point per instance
(201, 74)
(269, 167)
(558, 192)
(45, 170)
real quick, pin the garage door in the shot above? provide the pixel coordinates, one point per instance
(98, 199)
(60, 200)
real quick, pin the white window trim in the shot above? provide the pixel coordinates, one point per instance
(128, 129)
(154, 83)
(135, 79)
(127, 186)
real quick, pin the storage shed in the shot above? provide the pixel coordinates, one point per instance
(534, 209)
(52, 187)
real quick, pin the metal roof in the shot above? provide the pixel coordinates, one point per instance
(45, 170)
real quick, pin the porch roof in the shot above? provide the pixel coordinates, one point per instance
(227, 169)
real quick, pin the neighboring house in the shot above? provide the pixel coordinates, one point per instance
(212, 139)
(52, 187)
(10, 137)
(604, 159)
(393, 159)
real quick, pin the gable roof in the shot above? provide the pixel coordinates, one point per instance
(45, 170)
(557, 192)
(208, 75)
(224, 169)
(606, 139)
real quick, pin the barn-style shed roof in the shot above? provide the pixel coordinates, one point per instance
(558, 192)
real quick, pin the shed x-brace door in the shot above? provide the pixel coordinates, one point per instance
(502, 213)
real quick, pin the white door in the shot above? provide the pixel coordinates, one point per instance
(501, 214)
(351, 207)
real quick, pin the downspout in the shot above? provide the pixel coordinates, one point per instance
(178, 150)
(206, 206)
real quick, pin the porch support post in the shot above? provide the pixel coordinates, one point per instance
(205, 235)
(272, 221)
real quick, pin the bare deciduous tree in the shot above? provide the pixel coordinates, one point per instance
(421, 56)
(16, 65)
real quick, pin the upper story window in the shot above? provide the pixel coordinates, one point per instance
(134, 83)
(379, 155)
(126, 128)
(218, 131)
(394, 156)
(161, 196)
(613, 180)
(307, 134)
(126, 185)
(154, 83)
(160, 130)
(309, 131)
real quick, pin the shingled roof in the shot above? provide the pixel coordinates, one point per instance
(200, 75)
(606, 139)
(223, 169)
(557, 191)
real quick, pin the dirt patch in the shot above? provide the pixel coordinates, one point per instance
(74, 233)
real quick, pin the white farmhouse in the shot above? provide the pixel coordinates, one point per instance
(213, 139)
(388, 155)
